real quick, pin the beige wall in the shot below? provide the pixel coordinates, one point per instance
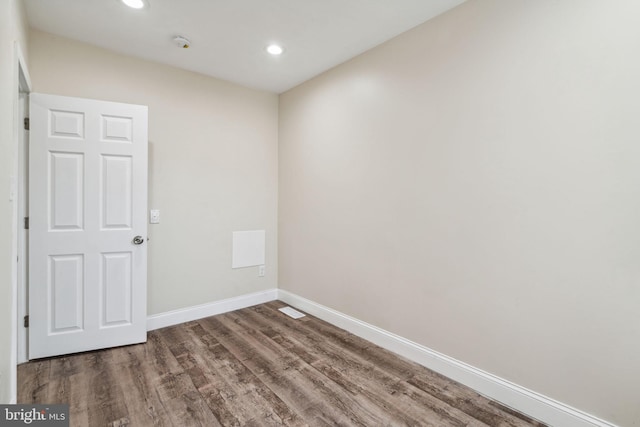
(212, 164)
(474, 185)
(13, 28)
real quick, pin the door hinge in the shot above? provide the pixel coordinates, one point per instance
(26, 222)
(26, 123)
(26, 321)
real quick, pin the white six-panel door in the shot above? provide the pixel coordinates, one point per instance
(87, 204)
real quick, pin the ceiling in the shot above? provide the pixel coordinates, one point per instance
(229, 37)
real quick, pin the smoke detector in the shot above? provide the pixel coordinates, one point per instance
(182, 42)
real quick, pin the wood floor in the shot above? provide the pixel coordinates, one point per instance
(255, 367)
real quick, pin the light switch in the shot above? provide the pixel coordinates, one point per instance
(154, 216)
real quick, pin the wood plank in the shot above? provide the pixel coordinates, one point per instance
(286, 374)
(134, 367)
(78, 403)
(105, 397)
(398, 399)
(232, 392)
(255, 367)
(174, 387)
(33, 380)
(439, 386)
(361, 397)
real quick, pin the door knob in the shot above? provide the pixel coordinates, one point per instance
(138, 240)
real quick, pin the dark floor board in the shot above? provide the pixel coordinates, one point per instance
(143, 404)
(397, 398)
(226, 383)
(442, 388)
(288, 375)
(167, 389)
(34, 382)
(78, 403)
(403, 403)
(105, 397)
(255, 367)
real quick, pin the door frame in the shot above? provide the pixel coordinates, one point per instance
(19, 253)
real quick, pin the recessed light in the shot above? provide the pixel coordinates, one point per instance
(135, 4)
(274, 49)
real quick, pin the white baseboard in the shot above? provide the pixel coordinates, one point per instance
(175, 317)
(526, 401)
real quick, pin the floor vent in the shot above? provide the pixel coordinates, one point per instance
(292, 312)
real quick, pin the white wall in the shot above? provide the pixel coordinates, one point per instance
(212, 160)
(13, 28)
(474, 185)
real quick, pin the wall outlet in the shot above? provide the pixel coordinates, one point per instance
(261, 271)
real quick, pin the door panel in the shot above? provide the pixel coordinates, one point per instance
(88, 200)
(117, 129)
(66, 195)
(66, 290)
(116, 197)
(116, 289)
(66, 124)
